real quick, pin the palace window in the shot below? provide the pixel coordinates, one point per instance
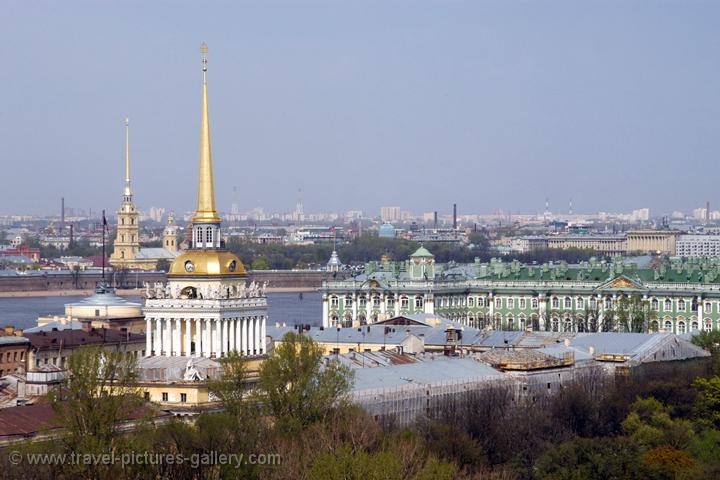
(391, 301)
(708, 307)
(376, 301)
(471, 302)
(593, 303)
(568, 302)
(334, 301)
(362, 301)
(608, 303)
(481, 302)
(681, 305)
(165, 396)
(668, 326)
(580, 303)
(694, 326)
(681, 327)
(209, 235)
(511, 303)
(404, 302)
(418, 302)
(498, 302)
(522, 304)
(183, 397)
(654, 304)
(708, 325)
(668, 305)
(555, 302)
(348, 301)
(534, 303)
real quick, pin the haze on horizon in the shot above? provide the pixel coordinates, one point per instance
(489, 104)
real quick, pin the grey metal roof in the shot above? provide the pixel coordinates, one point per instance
(105, 299)
(430, 370)
(50, 326)
(155, 253)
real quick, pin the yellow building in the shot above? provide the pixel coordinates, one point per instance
(655, 241)
(127, 253)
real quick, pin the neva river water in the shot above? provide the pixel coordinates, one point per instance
(288, 308)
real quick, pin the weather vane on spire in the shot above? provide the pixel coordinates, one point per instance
(204, 51)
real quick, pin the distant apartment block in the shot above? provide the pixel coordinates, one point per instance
(698, 246)
(390, 214)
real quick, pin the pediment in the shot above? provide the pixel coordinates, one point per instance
(621, 282)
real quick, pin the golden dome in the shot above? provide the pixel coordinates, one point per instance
(203, 263)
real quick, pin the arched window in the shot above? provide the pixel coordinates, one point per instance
(471, 302)
(376, 301)
(681, 327)
(334, 301)
(568, 302)
(521, 321)
(555, 324)
(334, 319)
(348, 301)
(707, 326)
(580, 303)
(708, 307)
(555, 302)
(418, 302)
(654, 326)
(481, 302)
(362, 301)
(510, 322)
(471, 319)
(694, 326)
(668, 326)
(498, 302)
(510, 303)
(654, 304)
(404, 302)
(668, 305)
(391, 301)
(209, 235)
(534, 303)
(681, 305)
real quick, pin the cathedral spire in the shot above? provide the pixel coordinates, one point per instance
(206, 212)
(127, 158)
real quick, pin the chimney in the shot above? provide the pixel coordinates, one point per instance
(62, 213)
(435, 219)
(454, 216)
(707, 211)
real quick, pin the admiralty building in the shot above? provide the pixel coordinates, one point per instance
(671, 295)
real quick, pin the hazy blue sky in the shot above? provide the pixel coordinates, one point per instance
(490, 104)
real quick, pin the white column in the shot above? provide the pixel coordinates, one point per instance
(238, 337)
(166, 337)
(263, 334)
(225, 337)
(354, 307)
(177, 343)
(217, 338)
(206, 338)
(157, 340)
(699, 314)
(231, 327)
(257, 335)
(198, 336)
(325, 315)
(251, 336)
(244, 335)
(188, 336)
(148, 337)
(397, 304)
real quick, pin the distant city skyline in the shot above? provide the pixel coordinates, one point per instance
(490, 105)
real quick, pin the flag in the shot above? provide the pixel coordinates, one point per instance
(105, 224)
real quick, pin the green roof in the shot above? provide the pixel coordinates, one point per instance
(422, 252)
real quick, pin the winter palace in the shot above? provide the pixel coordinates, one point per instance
(676, 295)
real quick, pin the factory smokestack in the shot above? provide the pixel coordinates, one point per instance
(707, 212)
(435, 219)
(454, 216)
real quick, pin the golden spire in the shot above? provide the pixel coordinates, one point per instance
(205, 212)
(127, 157)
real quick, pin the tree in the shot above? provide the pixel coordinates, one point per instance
(707, 405)
(710, 341)
(590, 459)
(163, 265)
(297, 388)
(650, 425)
(97, 395)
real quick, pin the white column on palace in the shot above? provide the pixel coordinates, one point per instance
(148, 337)
(206, 338)
(177, 339)
(198, 336)
(263, 334)
(224, 322)
(231, 328)
(354, 307)
(166, 338)
(157, 346)
(258, 322)
(238, 337)
(325, 315)
(244, 330)
(188, 336)
(251, 336)
(217, 338)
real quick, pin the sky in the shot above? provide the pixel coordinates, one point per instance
(361, 104)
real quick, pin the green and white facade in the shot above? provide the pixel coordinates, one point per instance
(679, 296)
